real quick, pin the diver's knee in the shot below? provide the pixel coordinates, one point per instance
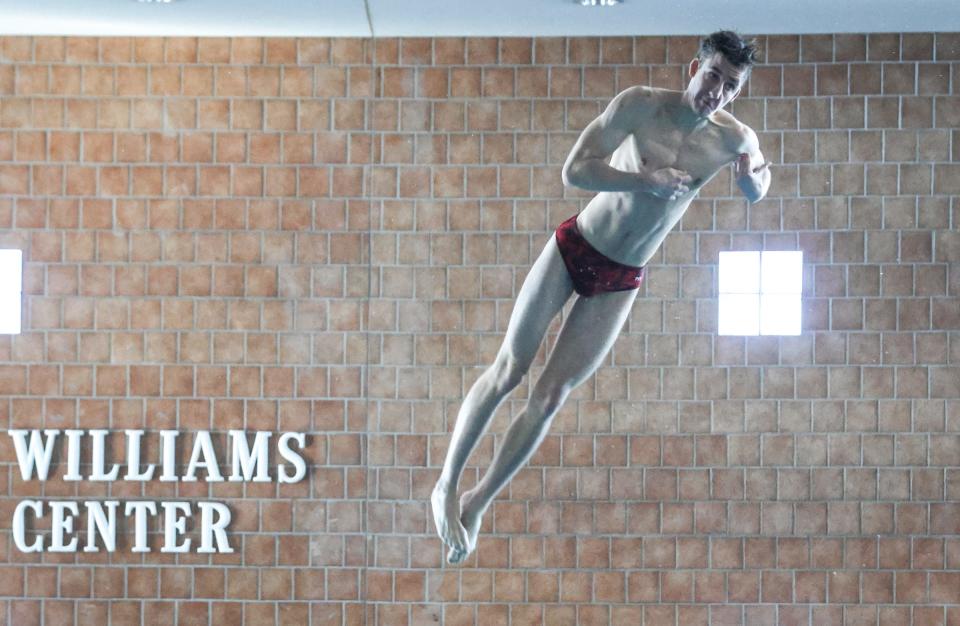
(508, 372)
(546, 400)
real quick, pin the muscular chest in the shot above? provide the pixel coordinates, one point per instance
(699, 153)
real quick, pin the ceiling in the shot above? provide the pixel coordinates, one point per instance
(393, 18)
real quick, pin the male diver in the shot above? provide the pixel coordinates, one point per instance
(647, 155)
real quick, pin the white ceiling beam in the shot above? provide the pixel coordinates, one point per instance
(426, 18)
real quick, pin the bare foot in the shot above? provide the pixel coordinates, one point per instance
(470, 517)
(446, 517)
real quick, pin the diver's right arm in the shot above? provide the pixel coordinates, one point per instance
(587, 168)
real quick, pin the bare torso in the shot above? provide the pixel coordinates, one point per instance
(629, 226)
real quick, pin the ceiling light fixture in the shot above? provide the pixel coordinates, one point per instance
(598, 3)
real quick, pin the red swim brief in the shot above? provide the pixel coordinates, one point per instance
(590, 271)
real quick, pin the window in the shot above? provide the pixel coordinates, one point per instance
(11, 280)
(760, 293)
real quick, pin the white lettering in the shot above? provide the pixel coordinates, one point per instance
(293, 457)
(168, 441)
(61, 524)
(246, 461)
(73, 454)
(174, 525)
(19, 530)
(133, 458)
(203, 446)
(27, 457)
(99, 443)
(140, 523)
(103, 523)
(209, 528)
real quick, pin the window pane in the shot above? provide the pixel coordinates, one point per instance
(780, 314)
(739, 272)
(739, 314)
(11, 276)
(781, 272)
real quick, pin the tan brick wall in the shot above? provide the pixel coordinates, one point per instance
(194, 224)
(326, 235)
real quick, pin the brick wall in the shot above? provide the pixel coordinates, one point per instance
(326, 235)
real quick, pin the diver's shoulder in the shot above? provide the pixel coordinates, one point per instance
(726, 120)
(736, 132)
(641, 95)
(731, 125)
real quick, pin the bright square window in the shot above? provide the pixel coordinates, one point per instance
(760, 292)
(11, 286)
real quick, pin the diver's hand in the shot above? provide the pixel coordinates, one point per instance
(741, 167)
(753, 181)
(668, 183)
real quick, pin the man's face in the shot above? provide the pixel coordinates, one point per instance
(714, 83)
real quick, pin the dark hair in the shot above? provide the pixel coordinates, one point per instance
(735, 49)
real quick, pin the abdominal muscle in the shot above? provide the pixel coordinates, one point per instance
(628, 227)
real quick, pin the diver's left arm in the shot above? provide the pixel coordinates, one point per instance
(751, 170)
